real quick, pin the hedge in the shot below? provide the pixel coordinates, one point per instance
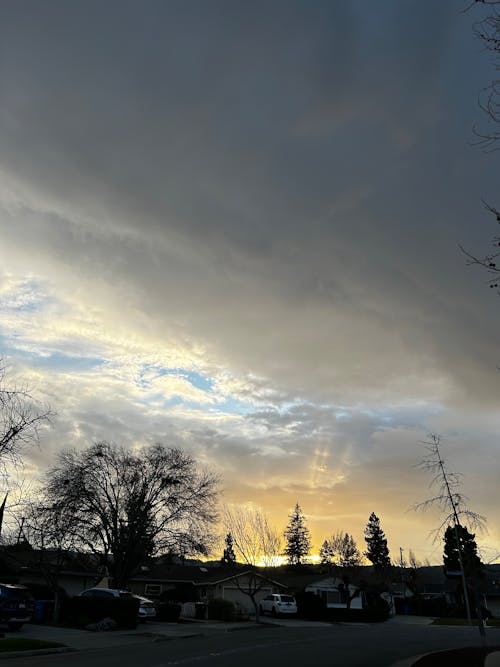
(80, 611)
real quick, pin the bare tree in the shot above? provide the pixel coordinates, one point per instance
(21, 420)
(130, 505)
(52, 534)
(341, 550)
(342, 557)
(451, 502)
(487, 30)
(255, 542)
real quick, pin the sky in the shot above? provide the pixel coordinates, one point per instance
(234, 227)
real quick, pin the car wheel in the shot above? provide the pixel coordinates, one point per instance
(14, 626)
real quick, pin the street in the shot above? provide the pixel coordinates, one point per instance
(377, 645)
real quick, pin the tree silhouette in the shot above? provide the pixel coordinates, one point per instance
(297, 536)
(130, 505)
(228, 557)
(468, 552)
(21, 419)
(487, 30)
(377, 550)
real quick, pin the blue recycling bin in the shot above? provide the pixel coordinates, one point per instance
(42, 611)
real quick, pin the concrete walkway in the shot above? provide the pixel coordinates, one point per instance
(493, 659)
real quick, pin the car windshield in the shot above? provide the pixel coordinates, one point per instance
(287, 598)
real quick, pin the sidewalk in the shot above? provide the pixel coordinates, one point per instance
(144, 633)
(493, 659)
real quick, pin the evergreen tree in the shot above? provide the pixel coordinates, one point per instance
(228, 557)
(326, 553)
(340, 550)
(377, 550)
(348, 554)
(468, 549)
(297, 536)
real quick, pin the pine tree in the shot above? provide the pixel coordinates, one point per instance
(377, 550)
(349, 555)
(468, 548)
(228, 557)
(326, 553)
(297, 536)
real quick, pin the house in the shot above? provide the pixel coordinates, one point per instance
(48, 570)
(431, 584)
(333, 592)
(199, 583)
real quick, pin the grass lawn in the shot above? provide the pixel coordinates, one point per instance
(22, 644)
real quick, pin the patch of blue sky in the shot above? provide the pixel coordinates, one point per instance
(28, 296)
(63, 363)
(235, 406)
(196, 379)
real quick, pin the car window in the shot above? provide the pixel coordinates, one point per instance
(15, 593)
(287, 598)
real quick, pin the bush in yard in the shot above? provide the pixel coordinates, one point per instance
(221, 610)
(80, 611)
(310, 606)
(372, 614)
(168, 611)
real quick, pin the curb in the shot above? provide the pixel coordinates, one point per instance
(37, 651)
(409, 662)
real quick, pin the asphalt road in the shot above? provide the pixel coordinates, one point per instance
(378, 645)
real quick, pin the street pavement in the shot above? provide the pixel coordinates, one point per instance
(153, 632)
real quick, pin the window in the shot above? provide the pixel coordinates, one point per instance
(152, 590)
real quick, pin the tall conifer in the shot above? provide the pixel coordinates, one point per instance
(297, 536)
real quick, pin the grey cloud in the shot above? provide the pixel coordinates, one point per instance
(282, 183)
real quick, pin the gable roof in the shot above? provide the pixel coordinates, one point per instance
(198, 575)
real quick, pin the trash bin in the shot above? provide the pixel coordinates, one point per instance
(42, 611)
(200, 610)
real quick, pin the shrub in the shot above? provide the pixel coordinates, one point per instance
(168, 611)
(80, 611)
(221, 610)
(373, 614)
(418, 606)
(310, 606)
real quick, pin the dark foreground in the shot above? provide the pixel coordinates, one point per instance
(379, 645)
(466, 657)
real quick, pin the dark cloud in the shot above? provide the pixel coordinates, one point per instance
(280, 187)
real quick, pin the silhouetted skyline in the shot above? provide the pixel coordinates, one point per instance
(234, 227)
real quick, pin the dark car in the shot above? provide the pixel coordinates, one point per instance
(16, 605)
(146, 607)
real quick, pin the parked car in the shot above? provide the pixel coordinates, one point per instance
(277, 604)
(16, 605)
(147, 607)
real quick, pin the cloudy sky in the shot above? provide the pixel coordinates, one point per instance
(233, 226)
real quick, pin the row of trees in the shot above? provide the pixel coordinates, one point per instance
(251, 539)
(125, 506)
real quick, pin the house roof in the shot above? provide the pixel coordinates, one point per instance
(198, 575)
